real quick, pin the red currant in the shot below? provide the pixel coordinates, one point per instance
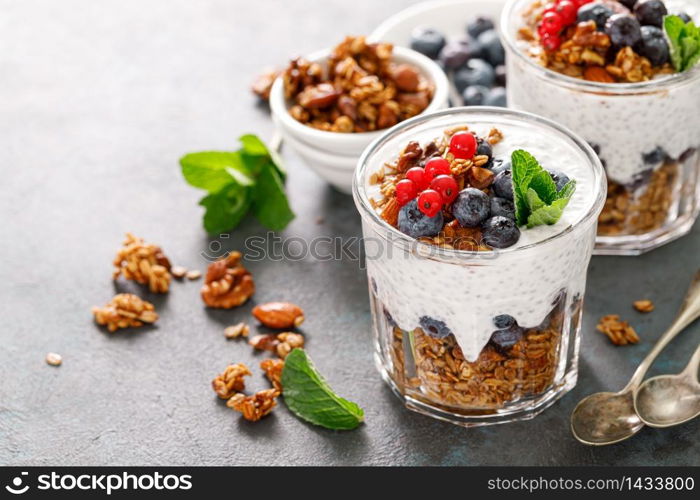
(430, 202)
(435, 167)
(551, 42)
(463, 145)
(552, 23)
(550, 7)
(419, 178)
(405, 191)
(447, 186)
(567, 10)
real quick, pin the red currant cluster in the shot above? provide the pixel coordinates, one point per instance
(557, 16)
(434, 185)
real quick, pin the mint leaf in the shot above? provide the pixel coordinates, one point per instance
(524, 167)
(252, 145)
(543, 184)
(533, 200)
(270, 204)
(310, 397)
(212, 170)
(684, 42)
(225, 209)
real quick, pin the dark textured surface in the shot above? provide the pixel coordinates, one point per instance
(97, 102)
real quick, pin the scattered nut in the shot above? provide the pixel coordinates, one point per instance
(266, 342)
(125, 310)
(194, 274)
(287, 342)
(256, 406)
(238, 330)
(54, 359)
(263, 84)
(178, 271)
(279, 315)
(644, 306)
(273, 371)
(619, 332)
(144, 263)
(230, 381)
(227, 283)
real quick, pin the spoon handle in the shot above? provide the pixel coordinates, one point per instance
(692, 369)
(689, 312)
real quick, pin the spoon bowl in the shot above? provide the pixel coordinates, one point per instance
(605, 418)
(667, 400)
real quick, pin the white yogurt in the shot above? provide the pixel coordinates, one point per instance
(466, 290)
(625, 126)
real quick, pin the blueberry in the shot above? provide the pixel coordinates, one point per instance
(559, 178)
(496, 97)
(503, 184)
(654, 46)
(500, 165)
(628, 3)
(474, 72)
(655, 157)
(457, 52)
(685, 17)
(427, 41)
(483, 148)
(504, 321)
(415, 223)
(434, 327)
(594, 12)
(471, 208)
(491, 47)
(479, 25)
(506, 338)
(500, 75)
(500, 232)
(502, 207)
(650, 12)
(474, 95)
(624, 30)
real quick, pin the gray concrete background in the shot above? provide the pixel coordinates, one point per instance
(97, 102)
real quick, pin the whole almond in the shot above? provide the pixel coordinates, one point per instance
(318, 96)
(406, 77)
(279, 315)
(597, 74)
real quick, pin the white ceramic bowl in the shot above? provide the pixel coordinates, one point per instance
(334, 155)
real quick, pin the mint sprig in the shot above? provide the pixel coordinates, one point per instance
(310, 397)
(238, 182)
(684, 42)
(537, 200)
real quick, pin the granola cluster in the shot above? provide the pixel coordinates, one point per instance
(227, 283)
(619, 332)
(360, 90)
(230, 381)
(144, 263)
(255, 406)
(125, 310)
(467, 173)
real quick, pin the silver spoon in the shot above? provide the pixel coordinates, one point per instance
(669, 400)
(609, 417)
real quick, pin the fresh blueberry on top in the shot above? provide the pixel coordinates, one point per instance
(500, 165)
(474, 95)
(471, 208)
(650, 12)
(496, 97)
(500, 75)
(623, 30)
(415, 223)
(685, 17)
(502, 207)
(654, 46)
(597, 12)
(479, 25)
(503, 184)
(474, 72)
(434, 327)
(491, 47)
(655, 156)
(457, 52)
(504, 321)
(427, 41)
(483, 148)
(500, 232)
(559, 178)
(505, 339)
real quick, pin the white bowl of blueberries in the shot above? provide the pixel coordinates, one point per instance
(462, 37)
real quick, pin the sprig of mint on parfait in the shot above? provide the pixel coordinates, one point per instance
(250, 179)
(537, 200)
(684, 42)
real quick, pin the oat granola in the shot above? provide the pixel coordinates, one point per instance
(619, 332)
(273, 371)
(231, 381)
(144, 263)
(256, 406)
(644, 306)
(125, 310)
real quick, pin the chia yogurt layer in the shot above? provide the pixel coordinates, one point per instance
(479, 226)
(607, 73)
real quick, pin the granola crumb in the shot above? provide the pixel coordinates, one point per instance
(619, 332)
(194, 274)
(178, 271)
(238, 330)
(54, 359)
(273, 371)
(144, 263)
(125, 310)
(256, 406)
(644, 306)
(231, 381)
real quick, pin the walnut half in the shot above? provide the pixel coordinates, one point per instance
(227, 283)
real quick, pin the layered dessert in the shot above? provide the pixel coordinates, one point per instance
(618, 73)
(478, 227)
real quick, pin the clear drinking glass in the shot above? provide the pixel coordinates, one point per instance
(647, 135)
(468, 381)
